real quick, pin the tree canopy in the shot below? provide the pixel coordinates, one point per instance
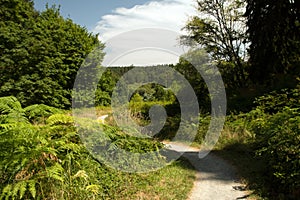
(274, 32)
(220, 28)
(40, 53)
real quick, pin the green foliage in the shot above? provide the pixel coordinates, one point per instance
(269, 134)
(10, 112)
(153, 92)
(273, 28)
(136, 98)
(105, 88)
(32, 155)
(131, 143)
(278, 142)
(10, 104)
(148, 92)
(141, 108)
(220, 28)
(60, 119)
(203, 128)
(111, 145)
(140, 113)
(48, 160)
(186, 67)
(39, 112)
(40, 53)
(276, 101)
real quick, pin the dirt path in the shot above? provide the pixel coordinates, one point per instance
(215, 178)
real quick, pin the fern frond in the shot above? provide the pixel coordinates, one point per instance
(8, 126)
(81, 174)
(60, 119)
(32, 188)
(55, 172)
(93, 188)
(7, 192)
(9, 104)
(11, 111)
(39, 112)
(20, 188)
(23, 188)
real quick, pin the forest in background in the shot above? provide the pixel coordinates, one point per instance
(255, 45)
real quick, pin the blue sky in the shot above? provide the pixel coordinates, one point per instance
(87, 12)
(112, 18)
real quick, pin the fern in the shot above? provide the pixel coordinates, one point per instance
(60, 119)
(11, 111)
(49, 161)
(19, 188)
(31, 188)
(55, 172)
(23, 189)
(93, 188)
(38, 113)
(10, 104)
(8, 126)
(81, 174)
(32, 155)
(6, 192)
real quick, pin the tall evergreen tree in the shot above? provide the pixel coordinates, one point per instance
(274, 32)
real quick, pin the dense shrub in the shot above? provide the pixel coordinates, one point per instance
(270, 133)
(278, 142)
(141, 108)
(277, 100)
(275, 124)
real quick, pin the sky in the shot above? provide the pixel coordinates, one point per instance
(127, 21)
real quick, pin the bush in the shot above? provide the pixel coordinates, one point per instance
(276, 101)
(278, 142)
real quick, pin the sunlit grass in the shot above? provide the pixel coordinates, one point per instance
(172, 182)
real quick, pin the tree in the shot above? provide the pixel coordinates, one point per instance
(274, 32)
(220, 28)
(9, 13)
(40, 53)
(186, 67)
(105, 88)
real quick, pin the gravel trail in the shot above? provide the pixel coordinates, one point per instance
(215, 178)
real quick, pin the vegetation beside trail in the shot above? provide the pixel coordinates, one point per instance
(253, 43)
(261, 135)
(41, 153)
(43, 157)
(264, 145)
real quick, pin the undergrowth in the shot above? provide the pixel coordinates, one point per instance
(43, 157)
(265, 145)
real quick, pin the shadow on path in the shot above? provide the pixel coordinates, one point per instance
(215, 178)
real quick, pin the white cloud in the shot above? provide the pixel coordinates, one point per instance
(165, 14)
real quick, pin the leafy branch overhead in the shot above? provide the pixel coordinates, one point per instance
(220, 28)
